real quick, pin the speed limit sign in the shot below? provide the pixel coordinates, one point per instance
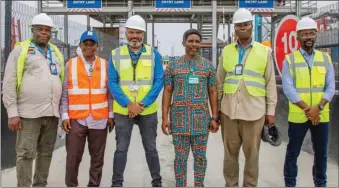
(285, 40)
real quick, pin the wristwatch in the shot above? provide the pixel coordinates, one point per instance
(215, 119)
(321, 107)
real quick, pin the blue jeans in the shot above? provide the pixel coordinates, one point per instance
(319, 136)
(123, 131)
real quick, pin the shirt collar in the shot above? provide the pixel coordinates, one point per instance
(303, 52)
(85, 61)
(250, 44)
(143, 49)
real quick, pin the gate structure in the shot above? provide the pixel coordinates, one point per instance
(206, 14)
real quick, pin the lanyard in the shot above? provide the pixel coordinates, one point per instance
(90, 65)
(241, 53)
(43, 52)
(134, 65)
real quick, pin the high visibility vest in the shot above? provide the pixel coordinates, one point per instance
(87, 95)
(22, 59)
(309, 84)
(144, 73)
(253, 71)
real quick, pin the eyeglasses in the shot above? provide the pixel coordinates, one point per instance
(308, 35)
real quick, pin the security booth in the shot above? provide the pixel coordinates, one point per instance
(206, 49)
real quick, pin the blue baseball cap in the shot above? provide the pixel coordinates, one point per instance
(89, 35)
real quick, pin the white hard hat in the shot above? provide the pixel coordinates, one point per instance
(42, 19)
(306, 23)
(136, 22)
(242, 15)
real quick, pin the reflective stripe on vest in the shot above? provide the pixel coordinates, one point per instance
(253, 71)
(87, 95)
(309, 84)
(144, 75)
(22, 59)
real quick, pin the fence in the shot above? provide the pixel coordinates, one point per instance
(25, 14)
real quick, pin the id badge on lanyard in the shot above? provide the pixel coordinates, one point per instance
(239, 67)
(133, 89)
(52, 66)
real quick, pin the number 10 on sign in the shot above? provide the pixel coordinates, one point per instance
(285, 40)
(291, 44)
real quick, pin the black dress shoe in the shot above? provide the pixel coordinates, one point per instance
(157, 185)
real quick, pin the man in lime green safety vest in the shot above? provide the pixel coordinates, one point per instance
(247, 97)
(135, 79)
(309, 85)
(31, 94)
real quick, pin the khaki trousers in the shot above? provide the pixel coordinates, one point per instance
(247, 134)
(35, 140)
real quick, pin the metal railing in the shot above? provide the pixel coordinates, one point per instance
(326, 10)
(328, 38)
(25, 14)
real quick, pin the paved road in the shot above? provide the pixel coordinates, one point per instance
(136, 173)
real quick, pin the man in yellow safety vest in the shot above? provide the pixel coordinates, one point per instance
(31, 94)
(308, 83)
(247, 97)
(135, 79)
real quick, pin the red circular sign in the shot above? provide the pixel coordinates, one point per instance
(285, 40)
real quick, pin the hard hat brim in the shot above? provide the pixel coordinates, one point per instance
(307, 28)
(243, 21)
(52, 27)
(137, 28)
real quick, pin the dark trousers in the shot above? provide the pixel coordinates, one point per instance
(319, 136)
(123, 131)
(75, 145)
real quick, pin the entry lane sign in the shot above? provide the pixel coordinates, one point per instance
(173, 4)
(76, 4)
(285, 40)
(256, 4)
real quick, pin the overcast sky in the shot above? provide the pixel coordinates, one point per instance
(167, 34)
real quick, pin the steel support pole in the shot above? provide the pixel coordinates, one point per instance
(298, 8)
(8, 28)
(214, 33)
(130, 8)
(152, 32)
(273, 20)
(66, 35)
(88, 23)
(66, 28)
(229, 36)
(39, 6)
(105, 21)
(145, 37)
(223, 25)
